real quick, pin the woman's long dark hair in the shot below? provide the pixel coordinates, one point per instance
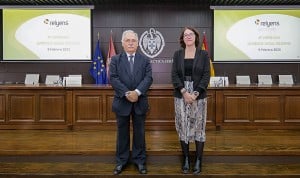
(197, 37)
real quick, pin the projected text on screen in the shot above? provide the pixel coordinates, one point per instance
(46, 34)
(256, 35)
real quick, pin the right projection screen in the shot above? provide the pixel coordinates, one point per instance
(256, 35)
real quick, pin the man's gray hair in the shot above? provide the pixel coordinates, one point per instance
(129, 31)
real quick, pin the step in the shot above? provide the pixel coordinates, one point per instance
(158, 166)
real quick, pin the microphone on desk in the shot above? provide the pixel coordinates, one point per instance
(224, 79)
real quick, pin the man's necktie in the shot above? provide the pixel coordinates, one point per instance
(131, 63)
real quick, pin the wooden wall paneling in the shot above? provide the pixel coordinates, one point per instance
(161, 107)
(267, 107)
(257, 108)
(233, 107)
(219, 108)
(21, 107)
(292, 107)
(161, 112)
(2, 108)
(88, 107)
(110, 116)
(35, 108)
(69, 108)
(211, 108)
(237, 107)
(52, 107)
(92, 108)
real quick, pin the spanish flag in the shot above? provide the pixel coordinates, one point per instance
(205, 47)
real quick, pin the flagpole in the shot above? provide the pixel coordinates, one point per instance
(98, 38)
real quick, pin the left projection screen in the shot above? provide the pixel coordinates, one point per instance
(46, 34)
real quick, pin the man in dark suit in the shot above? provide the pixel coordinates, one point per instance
(130, 77)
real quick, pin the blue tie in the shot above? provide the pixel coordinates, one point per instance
(131, 63)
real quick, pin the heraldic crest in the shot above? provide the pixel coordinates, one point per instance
(152, 43)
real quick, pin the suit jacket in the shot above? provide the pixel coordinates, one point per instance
(200, 73)
(122, 81)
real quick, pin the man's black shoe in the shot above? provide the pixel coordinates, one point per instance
(142, 169)
(118, 169)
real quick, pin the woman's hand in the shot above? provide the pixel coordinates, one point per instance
(188, 98)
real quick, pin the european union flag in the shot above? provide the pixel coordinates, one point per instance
(98, 70)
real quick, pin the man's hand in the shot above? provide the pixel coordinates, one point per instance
(132, 96)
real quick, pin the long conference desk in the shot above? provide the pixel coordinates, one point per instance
(89, 107)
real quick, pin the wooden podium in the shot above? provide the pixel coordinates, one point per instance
(89, 107)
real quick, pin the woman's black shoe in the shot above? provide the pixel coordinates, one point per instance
(197, 167)
(186, 165)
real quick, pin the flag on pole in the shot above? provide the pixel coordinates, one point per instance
(111, 52)
(205, 47)
(97, 69)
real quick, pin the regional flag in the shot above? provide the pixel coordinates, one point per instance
(111, 52)
(205, 47)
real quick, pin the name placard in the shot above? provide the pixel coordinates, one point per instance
(52, 80)
(286, 80)
(72, 80)
(219, 81)
(265, 80)
(243, 80)
(32, 79)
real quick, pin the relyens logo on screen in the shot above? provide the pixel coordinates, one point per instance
(266, 23)
(56, 23)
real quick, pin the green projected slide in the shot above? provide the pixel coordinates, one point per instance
(256, 35)
(46, 34)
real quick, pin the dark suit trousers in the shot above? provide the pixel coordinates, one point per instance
(123, 139)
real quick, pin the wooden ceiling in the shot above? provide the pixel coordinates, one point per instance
(101, 2)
